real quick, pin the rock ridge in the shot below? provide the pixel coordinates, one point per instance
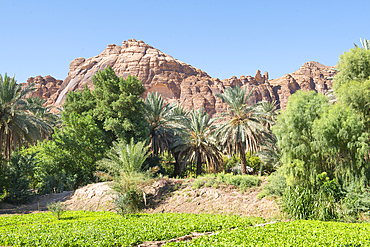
(178, 81)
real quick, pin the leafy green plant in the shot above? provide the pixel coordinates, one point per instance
(128, 203)
(241, 181)
(296, 233)
(276, 184)
(57, 208)
(124, 164)
(86, 228)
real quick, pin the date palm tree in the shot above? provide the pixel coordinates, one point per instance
(160, 118)
(365, 44)
(269, 110)
(196, 142)
(36, 108)
(17, 125)
(241, 129)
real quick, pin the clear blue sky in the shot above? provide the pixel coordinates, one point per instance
(222, 38)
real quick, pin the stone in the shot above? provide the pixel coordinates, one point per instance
(178, 81)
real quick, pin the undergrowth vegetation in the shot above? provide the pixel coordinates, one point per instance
(242, 182)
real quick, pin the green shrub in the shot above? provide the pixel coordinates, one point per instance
(198, 183)
(18, 175)
(128, 203)
(309, 203)
(57, 208)
(275, 187)
(241, 181)
(356, 202)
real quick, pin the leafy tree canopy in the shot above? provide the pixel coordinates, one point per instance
(70, 160)
(115, 104)
(353, 65)
(316, 137)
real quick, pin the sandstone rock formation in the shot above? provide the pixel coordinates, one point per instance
(178, 81)
(47, 87)
(311, 76)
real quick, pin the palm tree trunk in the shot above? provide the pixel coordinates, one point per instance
(199, 165)
(243, 160)
(177, 168)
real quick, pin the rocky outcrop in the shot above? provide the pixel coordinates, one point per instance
(178, 81)
(173, 79)
(311, 76)
(47, 87)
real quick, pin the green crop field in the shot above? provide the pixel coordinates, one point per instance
(84, 228)
(297, 233)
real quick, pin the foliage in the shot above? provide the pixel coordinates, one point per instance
(115, 105)
(242, 127)
(17, 125)
(275, 187)
(197, 143)
(355, 202)
(128, 202)
(314, 137)
(365, 44)
(119, 105)
(70, 160)
(295, 233)
(81, 102)
(322, 202)
(161, 119)
(84, 228)
(123, 164)
(231, 162)
(18, 178)
(253, 162)
(353, 65)
(270, 111)
(243, 182)
(56, 208)
(36, 108)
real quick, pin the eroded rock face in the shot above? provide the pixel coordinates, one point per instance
(173, 79)
(47, 87)
(311, 76)
(178, 81)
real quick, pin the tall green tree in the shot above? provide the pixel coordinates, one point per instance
(241, 129)
(353, 65)
(51, 120)
(17, 125)
(315, 136)
(119, 105)
(197, 143)
(115, 105)
(160, 118)
(69, 160)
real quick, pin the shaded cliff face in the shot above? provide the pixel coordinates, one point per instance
(178, 81)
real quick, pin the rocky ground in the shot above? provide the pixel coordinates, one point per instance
(163, 195)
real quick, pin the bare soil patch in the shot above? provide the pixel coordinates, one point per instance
(163, 195)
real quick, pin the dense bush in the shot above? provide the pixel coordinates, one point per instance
(19, 174)
(275, 187)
